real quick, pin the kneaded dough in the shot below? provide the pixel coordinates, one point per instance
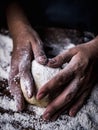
(41, 74)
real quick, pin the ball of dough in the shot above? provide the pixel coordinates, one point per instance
(41, 74)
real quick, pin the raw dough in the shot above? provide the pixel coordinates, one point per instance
(41, 74)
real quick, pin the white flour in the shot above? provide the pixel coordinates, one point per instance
(30, 119)
(5, 51)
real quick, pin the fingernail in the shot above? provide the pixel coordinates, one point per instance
(42, 59)
(72, 113)
(29, 94)
(46, 116)
(40, 96)
(52, 61)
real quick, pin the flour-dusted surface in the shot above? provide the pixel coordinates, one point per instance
(30, 118)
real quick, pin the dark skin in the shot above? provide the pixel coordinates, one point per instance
(76, 80)
(26, 47)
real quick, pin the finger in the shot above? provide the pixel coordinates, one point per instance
(14, 84)
(61, 58)
(39, 53)
(68, 106)
(18, 97)
(84, 92)
(58, 113)
(89, 82)
(14, 73)
(26, 79)
(27, 84)
(16, 92)
(76, 107)
(76, 103)
(57, 82)
(65, 98)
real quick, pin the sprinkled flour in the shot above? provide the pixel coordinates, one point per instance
(30, 118)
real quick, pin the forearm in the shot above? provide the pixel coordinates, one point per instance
(18, 24)
(17, 21)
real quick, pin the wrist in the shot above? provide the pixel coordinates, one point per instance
(92, 47)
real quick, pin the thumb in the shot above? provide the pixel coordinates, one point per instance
(39, 53)
(62, 58)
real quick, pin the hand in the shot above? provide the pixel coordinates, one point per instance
(76, 80)
(27, 46)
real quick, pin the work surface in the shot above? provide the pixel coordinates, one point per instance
(56, 41)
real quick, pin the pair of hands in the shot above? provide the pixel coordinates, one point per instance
(74, 83)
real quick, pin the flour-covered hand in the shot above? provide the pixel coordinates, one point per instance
(76, 80)
(27, 46)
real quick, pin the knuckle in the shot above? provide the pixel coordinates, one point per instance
(80, 64)
(61, 59)
(24, 65)
(68, 97)
(82, 79)
(58, 80)
(72, 50)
